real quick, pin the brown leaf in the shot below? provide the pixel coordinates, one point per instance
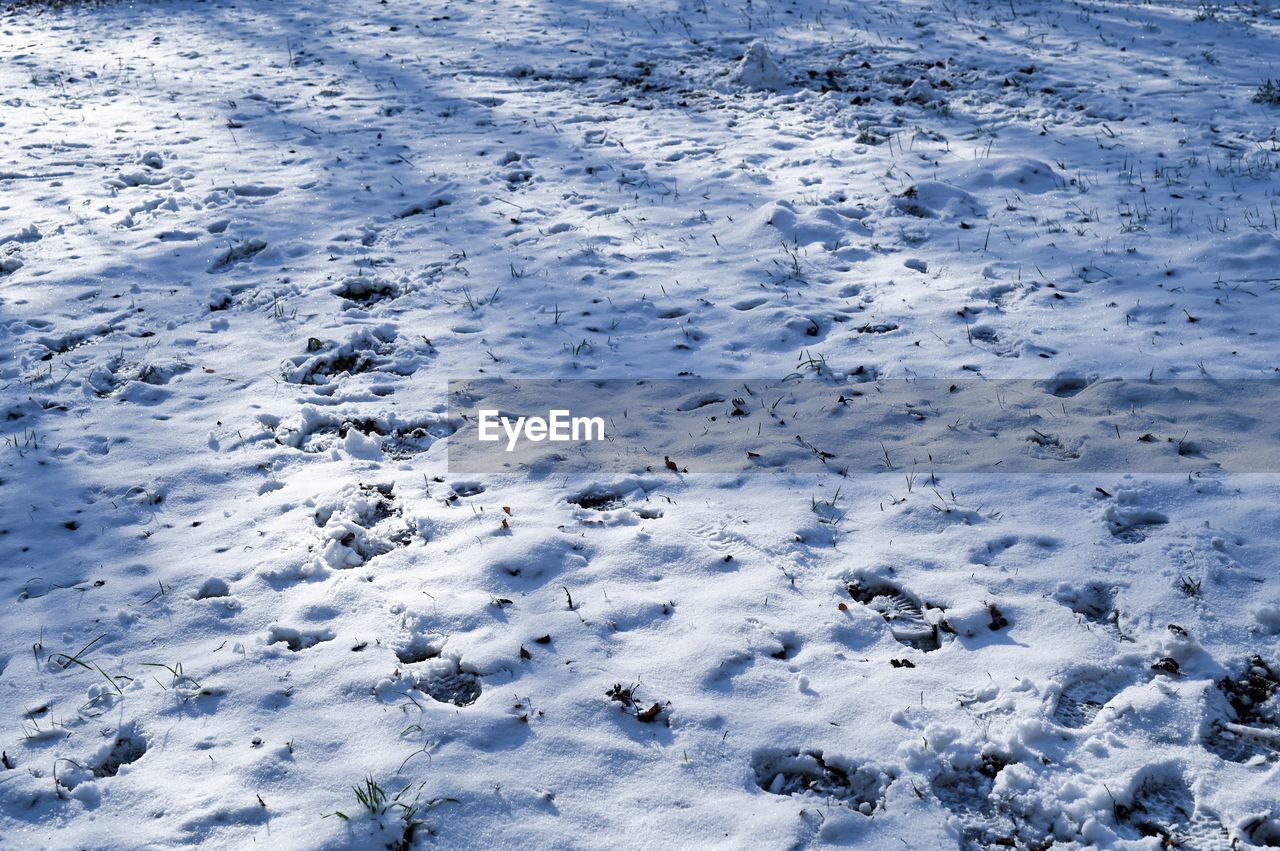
(648, 715)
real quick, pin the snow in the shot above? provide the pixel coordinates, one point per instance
(249, 252)
(758, 69)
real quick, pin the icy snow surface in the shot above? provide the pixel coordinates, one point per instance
(244, 246)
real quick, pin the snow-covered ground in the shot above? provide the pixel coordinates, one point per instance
(245, 246)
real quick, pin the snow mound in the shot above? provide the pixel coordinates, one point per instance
(1020, 173)
(759, 70)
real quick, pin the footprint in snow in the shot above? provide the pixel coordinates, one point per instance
(444, 680)
(1164, 807)
(978, 817)
(237, 254)
(316, 431)
(1085, 694)
(365, 290)
(903, 611)
(1129, 520)
(1248, 726)
(369, 349)
(126, 746)
(610, 502)
(860, 787)
(1095, 602)
(298, 639)
(360, 523)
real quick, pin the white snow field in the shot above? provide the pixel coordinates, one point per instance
(244, 247)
